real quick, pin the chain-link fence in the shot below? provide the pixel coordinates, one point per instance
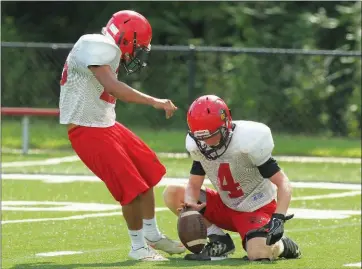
(293, 91)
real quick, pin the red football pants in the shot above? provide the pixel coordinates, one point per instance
(119, 158)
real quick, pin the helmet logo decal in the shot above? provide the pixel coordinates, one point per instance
(201, 134)
(113, 29)
(222, 114)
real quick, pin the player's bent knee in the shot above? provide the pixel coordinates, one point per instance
(257, 249)
(173, 195)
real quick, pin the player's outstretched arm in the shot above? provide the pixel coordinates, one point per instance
(125, 93)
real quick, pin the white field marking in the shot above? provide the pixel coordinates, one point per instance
(326, 196)
(323, 227)
(76, 217)
(303, 213)
(57, 253)
(166, 181)
(75, 158)
(298, 212)
(310, 159)
(50, 161)
(296, 159)
(56, 206)
(358, 264)
(21, 259)
(327, 185)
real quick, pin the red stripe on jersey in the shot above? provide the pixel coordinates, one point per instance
(105, 96)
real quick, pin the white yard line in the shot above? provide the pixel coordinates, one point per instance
(326, 196)
(300, 213)
(76, 217)
(166, 181)
(322, 228)
(74, 158)
(358, 264)
(50, 161)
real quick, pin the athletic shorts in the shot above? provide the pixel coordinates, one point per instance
(235, 221)
(119, 158)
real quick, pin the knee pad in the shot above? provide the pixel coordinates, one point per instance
(202, 199)
(252, 234)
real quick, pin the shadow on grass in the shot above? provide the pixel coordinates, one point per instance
(173, 262)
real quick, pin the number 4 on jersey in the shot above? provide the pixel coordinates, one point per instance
(227, 182)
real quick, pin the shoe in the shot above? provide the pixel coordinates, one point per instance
(146, 254)
(167, 245)
(291, 249)
(218, 248)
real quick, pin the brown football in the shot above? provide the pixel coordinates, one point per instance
(192, 230)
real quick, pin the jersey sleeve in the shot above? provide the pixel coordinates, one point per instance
(192, 148)
(263, 147)
(95, 52)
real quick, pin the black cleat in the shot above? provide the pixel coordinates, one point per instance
(291, 249)
(218, 247)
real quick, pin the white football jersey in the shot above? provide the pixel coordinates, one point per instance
(83, 100)
(234, 174)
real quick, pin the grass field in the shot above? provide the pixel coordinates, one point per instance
(60, 216)
(329, 234)
(43, 216)
(48, 134)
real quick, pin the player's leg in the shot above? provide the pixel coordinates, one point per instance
(248, 225)
(148, 214)
(152, 171)
(101, 152)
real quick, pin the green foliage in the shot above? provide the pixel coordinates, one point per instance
(291, 93)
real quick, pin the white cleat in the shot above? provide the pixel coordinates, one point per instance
(167, 245)
(146, 254)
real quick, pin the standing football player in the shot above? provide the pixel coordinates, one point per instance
(237, 158)
(127, 166)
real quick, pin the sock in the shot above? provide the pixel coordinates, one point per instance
(213, 229)
(137, 239)
(281, 248)
(151, 230)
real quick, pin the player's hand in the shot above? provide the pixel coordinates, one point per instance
(196, 207)
(275, 228)
(167, 105)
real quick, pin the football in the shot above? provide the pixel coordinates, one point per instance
(192, 230)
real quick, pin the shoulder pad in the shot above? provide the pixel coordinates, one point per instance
(97, 50)
(192, 148)
(257, 141)
(248, 134)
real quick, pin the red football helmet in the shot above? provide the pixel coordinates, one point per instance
(132, 33)
(208, 116)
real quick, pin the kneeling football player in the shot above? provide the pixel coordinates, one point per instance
(236, 157)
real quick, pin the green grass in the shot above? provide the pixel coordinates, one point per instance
(48, 134)
(328, 172)
(325, 243)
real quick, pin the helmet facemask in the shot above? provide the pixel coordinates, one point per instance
(137, 61)
(213, 152)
